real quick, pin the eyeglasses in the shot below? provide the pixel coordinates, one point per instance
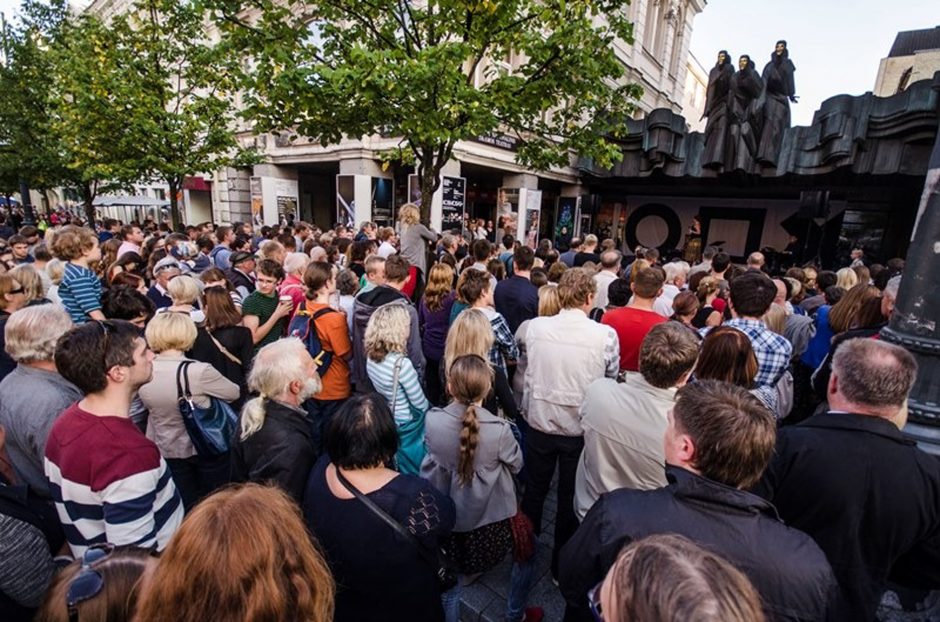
(106, 328)
(594, 602)
(18, 290)
(88, 582)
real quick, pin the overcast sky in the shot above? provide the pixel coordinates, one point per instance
(836, 46)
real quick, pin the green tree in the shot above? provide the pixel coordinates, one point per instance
(437, 72)
(89, 110)
(29, 146)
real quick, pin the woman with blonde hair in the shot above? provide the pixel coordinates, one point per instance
(56, 271)
(243, 554)
(414, 243)
(170, 335)
(12, 299)
(434, 320)
(472, 457)
(708, 314)
(846, 278)
(472, 333)
(394, 377)
(667, 577)
(186, 295)
(29, 278)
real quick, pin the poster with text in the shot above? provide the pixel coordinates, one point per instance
(346, 200)
(257, 201)
(454, 193)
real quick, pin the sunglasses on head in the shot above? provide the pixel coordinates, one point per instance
(88, 582)
(594, 602)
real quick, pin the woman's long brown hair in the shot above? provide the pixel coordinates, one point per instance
(243, 553)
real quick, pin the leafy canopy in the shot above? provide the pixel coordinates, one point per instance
(437, 72)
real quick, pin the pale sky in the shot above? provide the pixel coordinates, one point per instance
(836, 46)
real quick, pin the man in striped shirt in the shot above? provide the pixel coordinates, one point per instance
(80, 289)
(109, 482)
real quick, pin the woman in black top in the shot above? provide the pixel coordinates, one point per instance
(223, 342)
(380, 575)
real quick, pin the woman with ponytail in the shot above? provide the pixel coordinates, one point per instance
(471, 457)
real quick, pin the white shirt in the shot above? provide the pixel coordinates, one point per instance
(663, 304)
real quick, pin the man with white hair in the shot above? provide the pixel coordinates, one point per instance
(293, 283)
(676, 274)
(889, 296)
(34, 394)
(275, 443)
(851, 479)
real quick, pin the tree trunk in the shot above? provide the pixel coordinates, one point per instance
(88, 199)
(429, 179)
(175, 214)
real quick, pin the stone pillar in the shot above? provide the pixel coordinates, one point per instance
(915, 323)
(232, 196)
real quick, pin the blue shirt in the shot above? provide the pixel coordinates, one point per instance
(80, 292)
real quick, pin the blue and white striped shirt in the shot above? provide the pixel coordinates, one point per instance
(80, 292)
(409, 395)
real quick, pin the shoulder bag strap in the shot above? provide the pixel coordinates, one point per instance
(395, 381)
(391, 522)
(184, 369)
(222, 349)
(180, 394)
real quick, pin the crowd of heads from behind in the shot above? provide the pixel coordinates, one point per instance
(236, 422)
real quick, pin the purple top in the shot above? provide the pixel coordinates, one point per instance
(434, 326)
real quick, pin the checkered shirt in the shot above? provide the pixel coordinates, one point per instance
(772, 350)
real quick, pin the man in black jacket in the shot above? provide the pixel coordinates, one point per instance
(852, 481)
(719, 441)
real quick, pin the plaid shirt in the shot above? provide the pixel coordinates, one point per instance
(773, 351)
(504, 344)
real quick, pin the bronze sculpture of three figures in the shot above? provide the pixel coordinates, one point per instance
(747, 112)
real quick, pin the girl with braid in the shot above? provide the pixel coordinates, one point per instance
(471, 457)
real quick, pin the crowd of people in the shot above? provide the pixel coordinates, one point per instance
(355, 423)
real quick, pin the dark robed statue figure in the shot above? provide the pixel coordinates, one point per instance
(779, 91)
(744, 115)
(716, 109)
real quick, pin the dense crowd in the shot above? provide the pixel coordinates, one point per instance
(291, 423)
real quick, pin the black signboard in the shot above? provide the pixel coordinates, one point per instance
(454, 191)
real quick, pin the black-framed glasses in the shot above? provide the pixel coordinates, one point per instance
(88, 582)
(18, 290)
(594, 602)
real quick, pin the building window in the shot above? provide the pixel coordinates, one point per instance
(905, 80)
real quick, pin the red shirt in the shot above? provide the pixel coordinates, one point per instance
(631, 326)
